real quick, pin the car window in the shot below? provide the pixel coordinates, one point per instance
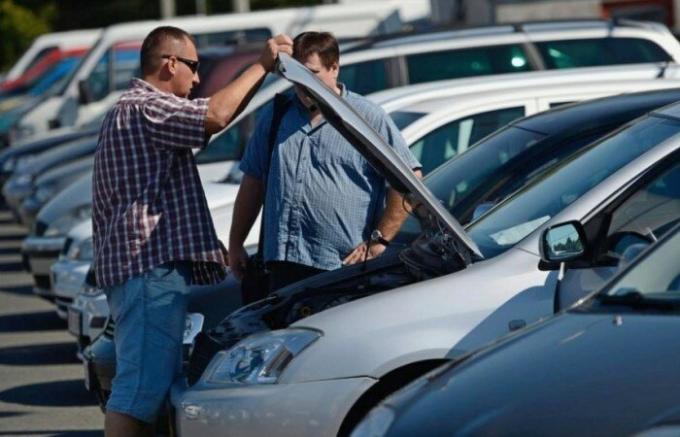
(126, 65)
(656, 276)
(440, 145)
(556, 104)
(404, 118)
(229, 144)
(450, 64)
(599, 51)
(647, 214)
(365, 77)
(525, 211)
(232, 37)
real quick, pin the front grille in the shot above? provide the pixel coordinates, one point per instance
(39, 228)
(67, 246)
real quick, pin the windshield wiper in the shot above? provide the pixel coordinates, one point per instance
(635, 299)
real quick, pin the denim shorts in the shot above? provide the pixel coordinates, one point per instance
(149, 311)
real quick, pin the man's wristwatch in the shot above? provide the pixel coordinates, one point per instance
(377, 237)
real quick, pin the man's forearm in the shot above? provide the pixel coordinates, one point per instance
(395, 214)
(246, 208)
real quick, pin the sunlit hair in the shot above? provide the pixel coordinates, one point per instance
(150, 56)
(323, 44)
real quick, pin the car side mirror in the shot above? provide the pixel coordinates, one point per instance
(84, 92)
(563, 242)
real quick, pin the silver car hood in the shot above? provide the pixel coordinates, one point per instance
(374, 148)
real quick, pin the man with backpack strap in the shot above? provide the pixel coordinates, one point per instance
(324, 202)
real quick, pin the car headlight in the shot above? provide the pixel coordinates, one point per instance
(84, 251)
(24, 179)
(22, 162)
(65, 223)
(260, 358)
(44, 193)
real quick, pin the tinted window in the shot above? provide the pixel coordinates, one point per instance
(647, 214)
(657, 276)
(503, 227)
(455, 180)
(229, 144)
(455, 137)
(599, 51)
(126, 65)
(451, 64)
(404, 118)
(232, 37)
(364, 77)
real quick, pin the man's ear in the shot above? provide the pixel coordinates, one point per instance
(335, 68)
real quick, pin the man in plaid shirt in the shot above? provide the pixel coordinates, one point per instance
(153, 234)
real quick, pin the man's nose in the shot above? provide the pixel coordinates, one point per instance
(196, 80)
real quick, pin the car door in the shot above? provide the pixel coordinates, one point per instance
(623, 229)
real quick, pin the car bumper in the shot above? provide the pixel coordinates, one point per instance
(311, 408)
(87, 318)
(67, 278)
(39, 253)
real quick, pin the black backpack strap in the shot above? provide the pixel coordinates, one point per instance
(281, 102)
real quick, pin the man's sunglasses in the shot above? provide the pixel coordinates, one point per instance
(193, 65)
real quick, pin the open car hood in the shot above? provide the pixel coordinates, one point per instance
(374, 148)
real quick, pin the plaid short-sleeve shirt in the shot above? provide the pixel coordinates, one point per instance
(148, 202)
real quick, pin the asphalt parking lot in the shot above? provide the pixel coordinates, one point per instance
(41, 380)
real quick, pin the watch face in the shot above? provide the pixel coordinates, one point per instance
(376, 235)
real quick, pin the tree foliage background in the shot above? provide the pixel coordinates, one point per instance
(22, 20)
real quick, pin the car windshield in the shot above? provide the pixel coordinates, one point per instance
(528, 209)
(455, 180)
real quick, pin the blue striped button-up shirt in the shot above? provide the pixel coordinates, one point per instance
(323, 198)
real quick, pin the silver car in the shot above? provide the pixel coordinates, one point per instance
(324, 372)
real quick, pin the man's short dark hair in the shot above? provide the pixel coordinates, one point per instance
(150, 56)
(323, 44)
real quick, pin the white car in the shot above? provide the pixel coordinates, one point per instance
(324, 372)
(69, 272)
(447, 129)
(50, 41)
(97, 82)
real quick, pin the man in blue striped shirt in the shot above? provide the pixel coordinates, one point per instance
(324, 202)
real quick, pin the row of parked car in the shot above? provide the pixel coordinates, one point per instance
(540, 187)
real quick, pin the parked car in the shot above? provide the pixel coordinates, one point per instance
(95, 86)
(229, 144)
(486, 174)
(20, 184)
(50, 183)
(458, 289)
(16, 157)
(604, 367)
(41, 248)
(44, 44)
